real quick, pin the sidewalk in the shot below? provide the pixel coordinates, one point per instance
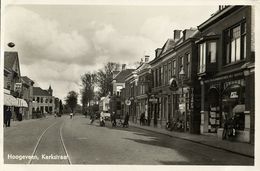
(245, 149)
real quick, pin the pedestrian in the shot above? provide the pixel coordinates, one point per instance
(113, 119)
(126, 120)
(92, 117)
(142, 117)
(8, 117)
(71, 115)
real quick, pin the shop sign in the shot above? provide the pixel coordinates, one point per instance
(18, 87)
(128, 102)
(173, 86)
(182, 106)
(233, 95)
(153, 100)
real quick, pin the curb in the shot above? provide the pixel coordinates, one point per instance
(198, 142)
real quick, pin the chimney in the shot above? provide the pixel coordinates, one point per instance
(158, 52)
(123, 67)
(146, 58)
(188, 32)
(176, 34)
(141, 62)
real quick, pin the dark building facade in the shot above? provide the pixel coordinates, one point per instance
(226, 71)
(176, 63)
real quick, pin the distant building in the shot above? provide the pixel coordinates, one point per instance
(118, 84)
(43, 101)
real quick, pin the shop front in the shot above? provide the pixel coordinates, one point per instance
(224, 101)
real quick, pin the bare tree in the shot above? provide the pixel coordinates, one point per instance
(72, 100)
(87, 92)
(105, 78)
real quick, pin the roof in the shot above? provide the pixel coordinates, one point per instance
(27, 80)
(218, 16)
(37, 91)
(121, 76)
(9, 59)
(170, 43)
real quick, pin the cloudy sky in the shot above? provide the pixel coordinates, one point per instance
(59, 43)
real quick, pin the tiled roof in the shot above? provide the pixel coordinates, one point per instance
(27, 80)
(9, 59)
(37, 91)
(120, 78)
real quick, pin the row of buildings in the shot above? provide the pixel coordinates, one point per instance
(25, 100)
(200, 77)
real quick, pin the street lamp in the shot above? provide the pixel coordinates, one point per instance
(182, 74)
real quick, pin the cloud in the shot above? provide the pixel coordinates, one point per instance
(39, 38)
(50, 55)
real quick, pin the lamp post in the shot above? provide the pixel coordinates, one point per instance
(182, 74)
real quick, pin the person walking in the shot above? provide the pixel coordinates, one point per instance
(71, 115)
(8, 117)
(126, 120)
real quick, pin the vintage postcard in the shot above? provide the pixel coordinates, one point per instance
(128, 85)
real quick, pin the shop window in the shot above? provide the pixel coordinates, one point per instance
(235, 43)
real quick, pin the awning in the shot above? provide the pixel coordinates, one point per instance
(10, 100)
(22, 103)
(239, 108)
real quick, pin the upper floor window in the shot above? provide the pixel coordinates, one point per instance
(165, 74)
(161, 76)
(235, 43)
(169, 71)
(188, 65)
(202, 57)
(212, 51)
(173, 68)
(181, 62)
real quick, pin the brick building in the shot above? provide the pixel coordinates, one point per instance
(226, 71)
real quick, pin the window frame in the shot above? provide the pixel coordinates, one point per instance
(229, 38)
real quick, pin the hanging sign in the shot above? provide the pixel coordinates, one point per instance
(233, 95)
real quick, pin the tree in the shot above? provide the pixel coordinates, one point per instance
(105, 78)
(72, 100)
(87, 91)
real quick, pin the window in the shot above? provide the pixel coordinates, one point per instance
(41, 99)
(173, 68)
(46, 100)
(38, 99)
(188, 65)
(169, 70)
(181, 62)
(161, 76)
(165, 75)
(202, 57)
(50, 100)
(235, 43)
(212, 51)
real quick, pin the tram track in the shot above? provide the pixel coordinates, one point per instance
(44, 136)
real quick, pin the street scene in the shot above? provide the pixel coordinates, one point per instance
(63, 143)
(129, 85)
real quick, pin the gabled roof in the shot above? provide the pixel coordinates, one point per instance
(10, 59)
(27, 80)
(169, 44)
(121, 76)
(37, 91)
